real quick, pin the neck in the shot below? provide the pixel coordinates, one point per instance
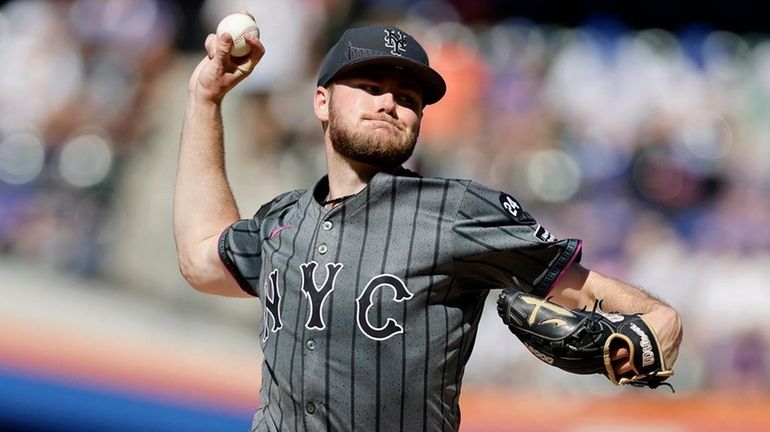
(347, 177)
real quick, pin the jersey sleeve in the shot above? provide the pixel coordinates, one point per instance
(497, 244)
(240, 249)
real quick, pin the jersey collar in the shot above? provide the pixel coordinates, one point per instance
(380, 183)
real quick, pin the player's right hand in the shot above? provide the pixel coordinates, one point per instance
(218, 72)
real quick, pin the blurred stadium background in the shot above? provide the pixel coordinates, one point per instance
(642, 129)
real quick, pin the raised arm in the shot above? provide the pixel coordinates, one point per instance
(581, 287)
(203, 201)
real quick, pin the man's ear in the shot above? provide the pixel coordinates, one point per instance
(321, 103)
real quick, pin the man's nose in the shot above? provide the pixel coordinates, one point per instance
(386, 103)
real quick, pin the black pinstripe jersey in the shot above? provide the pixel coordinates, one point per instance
(370, 310)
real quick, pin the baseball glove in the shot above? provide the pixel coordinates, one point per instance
(580, 341)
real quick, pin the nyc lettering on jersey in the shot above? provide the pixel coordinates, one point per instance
(316, 297)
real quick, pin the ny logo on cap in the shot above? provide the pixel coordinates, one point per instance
(396, 41)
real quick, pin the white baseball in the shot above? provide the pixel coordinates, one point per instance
(238, 25)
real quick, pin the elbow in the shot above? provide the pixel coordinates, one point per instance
(208, 277)
(186, 268)
(191, 272)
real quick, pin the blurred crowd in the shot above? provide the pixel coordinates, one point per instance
(72, 87)
(652, 146)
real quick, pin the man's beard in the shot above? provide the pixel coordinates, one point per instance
(371, 148)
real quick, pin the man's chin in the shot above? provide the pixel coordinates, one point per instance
(382, 147)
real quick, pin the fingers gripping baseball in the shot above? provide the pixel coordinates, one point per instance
(218, 72)
(211, 45)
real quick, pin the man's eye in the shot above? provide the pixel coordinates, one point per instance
(372, 89)
(405, 99)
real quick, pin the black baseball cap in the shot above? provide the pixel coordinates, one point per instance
(377, 45)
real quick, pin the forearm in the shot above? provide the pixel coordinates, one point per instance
(618, 296)
(581, 287)
(203, 201)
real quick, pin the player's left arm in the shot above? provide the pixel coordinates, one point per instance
(580, 287)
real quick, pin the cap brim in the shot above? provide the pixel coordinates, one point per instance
(431, 82)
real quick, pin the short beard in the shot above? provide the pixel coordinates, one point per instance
(369, 149)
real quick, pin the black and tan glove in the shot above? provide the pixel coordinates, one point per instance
(580, 341)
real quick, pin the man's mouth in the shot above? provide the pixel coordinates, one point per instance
(387, 121)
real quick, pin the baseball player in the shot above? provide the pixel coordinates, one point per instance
(373, 279)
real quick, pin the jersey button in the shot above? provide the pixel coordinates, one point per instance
(310, 344)
(322, 249)
(327, 225)
(310, 408)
